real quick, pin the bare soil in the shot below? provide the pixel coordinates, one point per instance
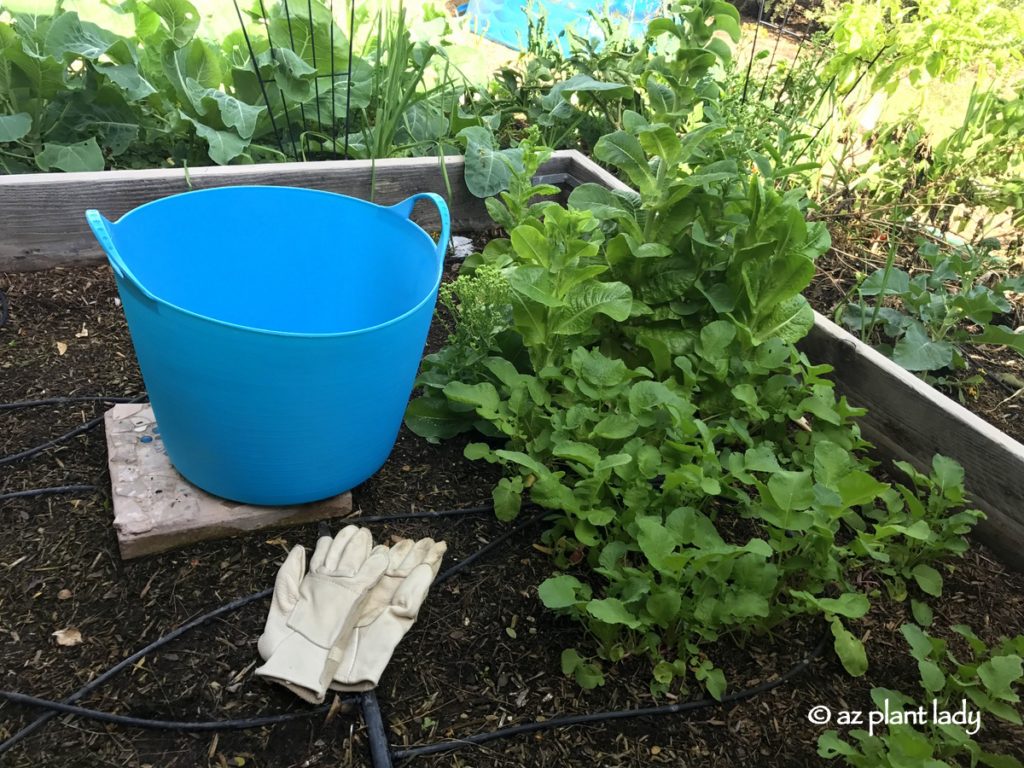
(484, 654)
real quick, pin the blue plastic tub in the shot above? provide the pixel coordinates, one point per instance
(278, 330)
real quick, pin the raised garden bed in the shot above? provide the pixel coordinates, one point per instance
(473, 664)
(43, 226)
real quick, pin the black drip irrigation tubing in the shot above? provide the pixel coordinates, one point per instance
(376, 731)
(188, 726)
(54, 708)
(462, 565)
(47, 491)
(64, 401)
(422, 515)
(96, 682)
(39, 449)
(80, 429)
(565, 721)
(381, 751)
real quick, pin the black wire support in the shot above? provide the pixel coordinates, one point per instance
(259, 77)
(775, 50)
(291, 40)
(273, 56)
(842, 101)
(789, 73)
(5, 309)
(334, 83)
(348, 75)
(312, 47)
(753, 51)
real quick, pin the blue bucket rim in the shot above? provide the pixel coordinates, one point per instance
(294, 334)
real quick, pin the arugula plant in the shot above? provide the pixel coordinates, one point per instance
(916, 526)
(922, 321)
(986, 680)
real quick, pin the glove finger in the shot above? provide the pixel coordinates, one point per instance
(286, 585)
(435, 555)
(336, 552)
(373, 567)
(398, 557)
(429, 552)
(358, 549)
(419, 553)
(412, 592)
(323, 545)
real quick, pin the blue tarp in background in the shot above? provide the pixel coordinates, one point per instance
(505, 21)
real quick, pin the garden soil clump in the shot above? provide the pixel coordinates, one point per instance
(484, 654)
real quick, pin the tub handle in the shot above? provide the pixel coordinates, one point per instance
(405, 207)
(101, 228)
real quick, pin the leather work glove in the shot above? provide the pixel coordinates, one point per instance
(311, 613)
(388, 614)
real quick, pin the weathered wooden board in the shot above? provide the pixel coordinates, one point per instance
(42, 215)
(156, 509)
(912, 421)
(582, 170)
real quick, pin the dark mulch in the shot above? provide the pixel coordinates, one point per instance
(996, 397)
(485, 654)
